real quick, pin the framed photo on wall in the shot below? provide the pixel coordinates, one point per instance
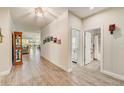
(59, 41)
(51, 38)
(48, 38)
(55, 40)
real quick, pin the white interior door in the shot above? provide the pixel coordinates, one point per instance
(75, 45)
(88, 45)
(97, 47)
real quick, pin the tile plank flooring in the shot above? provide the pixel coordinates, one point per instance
(93, 65)
(36, 71)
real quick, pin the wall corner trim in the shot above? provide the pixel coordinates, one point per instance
(5, 72)
(120, 77)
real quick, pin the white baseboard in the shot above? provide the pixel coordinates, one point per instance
(5, 72)
(67, 70)
(113, 75)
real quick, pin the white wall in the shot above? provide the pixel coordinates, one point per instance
(6, 46)
(57, 54)
(113, 44)
(32, 35)
(76, 23)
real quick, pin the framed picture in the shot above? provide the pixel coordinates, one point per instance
(59, 41)
(44, 41)
(51, 38)
(55, 40)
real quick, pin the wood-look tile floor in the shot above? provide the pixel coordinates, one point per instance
(94, 65)
(37, 71)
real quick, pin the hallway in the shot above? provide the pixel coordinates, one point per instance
(94, 65)
(38, 71)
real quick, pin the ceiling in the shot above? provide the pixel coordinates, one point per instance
(25, 19)
(33, 35)
(83, 12)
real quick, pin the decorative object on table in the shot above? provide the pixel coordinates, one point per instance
(1, 36)
(17, 48)
(59, 41)
(55, 40)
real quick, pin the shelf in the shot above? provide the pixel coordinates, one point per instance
(17, 48)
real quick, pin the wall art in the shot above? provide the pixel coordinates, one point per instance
(55, 40)
(51, 38)
(48, 39)
(59, 41)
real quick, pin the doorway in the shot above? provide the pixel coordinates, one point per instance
(30, 46)
(92, 49)
(75, 46)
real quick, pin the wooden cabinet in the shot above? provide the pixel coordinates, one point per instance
(17, 47)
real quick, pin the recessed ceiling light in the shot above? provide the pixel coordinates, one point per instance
(91, 8)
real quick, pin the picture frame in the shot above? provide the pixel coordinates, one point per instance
(48, 39)
(59, 41)
(51, 38)
(55, 40)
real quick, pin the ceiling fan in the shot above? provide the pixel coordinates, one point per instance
(39, 11)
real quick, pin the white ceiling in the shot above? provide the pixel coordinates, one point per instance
(24, 17)
(83, 12)
(31, 35)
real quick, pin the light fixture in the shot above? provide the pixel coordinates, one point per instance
(39, 11)
(91, 8)
(1, 36)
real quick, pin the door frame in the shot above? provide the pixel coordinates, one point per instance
(101, 55)
(79, 43)
(70, 49)
(85, 46)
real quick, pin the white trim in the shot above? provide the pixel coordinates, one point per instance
(102, 48)
(79, 59)
(59, 66)
(120, 77)
(5, 72)
(70, 49)
(83, 49)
